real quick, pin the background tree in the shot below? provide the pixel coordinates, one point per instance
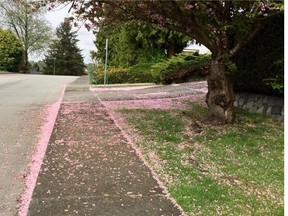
(131, 44)
(29, 25)
(10, 51)
(64, 53)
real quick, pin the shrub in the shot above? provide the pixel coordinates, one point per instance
(11, 51)
(140, 73)
(181, 68)
(114, 75)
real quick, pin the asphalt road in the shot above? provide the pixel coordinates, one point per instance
(23, 99)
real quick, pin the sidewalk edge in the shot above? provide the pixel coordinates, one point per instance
(51, 112)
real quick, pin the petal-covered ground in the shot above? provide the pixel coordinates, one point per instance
(92, 168)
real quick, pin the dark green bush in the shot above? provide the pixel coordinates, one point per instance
(260, 65)
(181, 68)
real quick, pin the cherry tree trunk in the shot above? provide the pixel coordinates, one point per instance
(170, 49)
(220, 94)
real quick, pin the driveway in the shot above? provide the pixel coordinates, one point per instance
(23, 100)
(150, 92)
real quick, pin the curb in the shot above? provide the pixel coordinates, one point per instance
(37, 158)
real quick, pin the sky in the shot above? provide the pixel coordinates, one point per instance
(86, 38)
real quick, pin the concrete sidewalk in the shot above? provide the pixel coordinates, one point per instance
(90, 169)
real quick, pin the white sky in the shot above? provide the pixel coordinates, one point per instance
(86, 38)
(201, 48)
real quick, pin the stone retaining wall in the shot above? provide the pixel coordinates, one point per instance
(256, 103)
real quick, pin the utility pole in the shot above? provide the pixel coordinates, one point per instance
(106, 59)
(54, 65)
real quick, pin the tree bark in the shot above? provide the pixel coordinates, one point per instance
(24, 64)
(220, 94)
(170, 49)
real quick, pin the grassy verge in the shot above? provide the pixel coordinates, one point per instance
(229, 170)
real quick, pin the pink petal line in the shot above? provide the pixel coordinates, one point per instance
(37, 159)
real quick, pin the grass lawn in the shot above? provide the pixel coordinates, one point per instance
(223, 170)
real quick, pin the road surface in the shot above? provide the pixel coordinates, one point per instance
(23, 99)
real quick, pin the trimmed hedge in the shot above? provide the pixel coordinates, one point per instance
(115, 75)
(139, 73)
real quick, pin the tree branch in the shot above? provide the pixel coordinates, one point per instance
(242, 43)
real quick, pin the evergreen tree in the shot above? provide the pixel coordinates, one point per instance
(131, 44)
(64, 57)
